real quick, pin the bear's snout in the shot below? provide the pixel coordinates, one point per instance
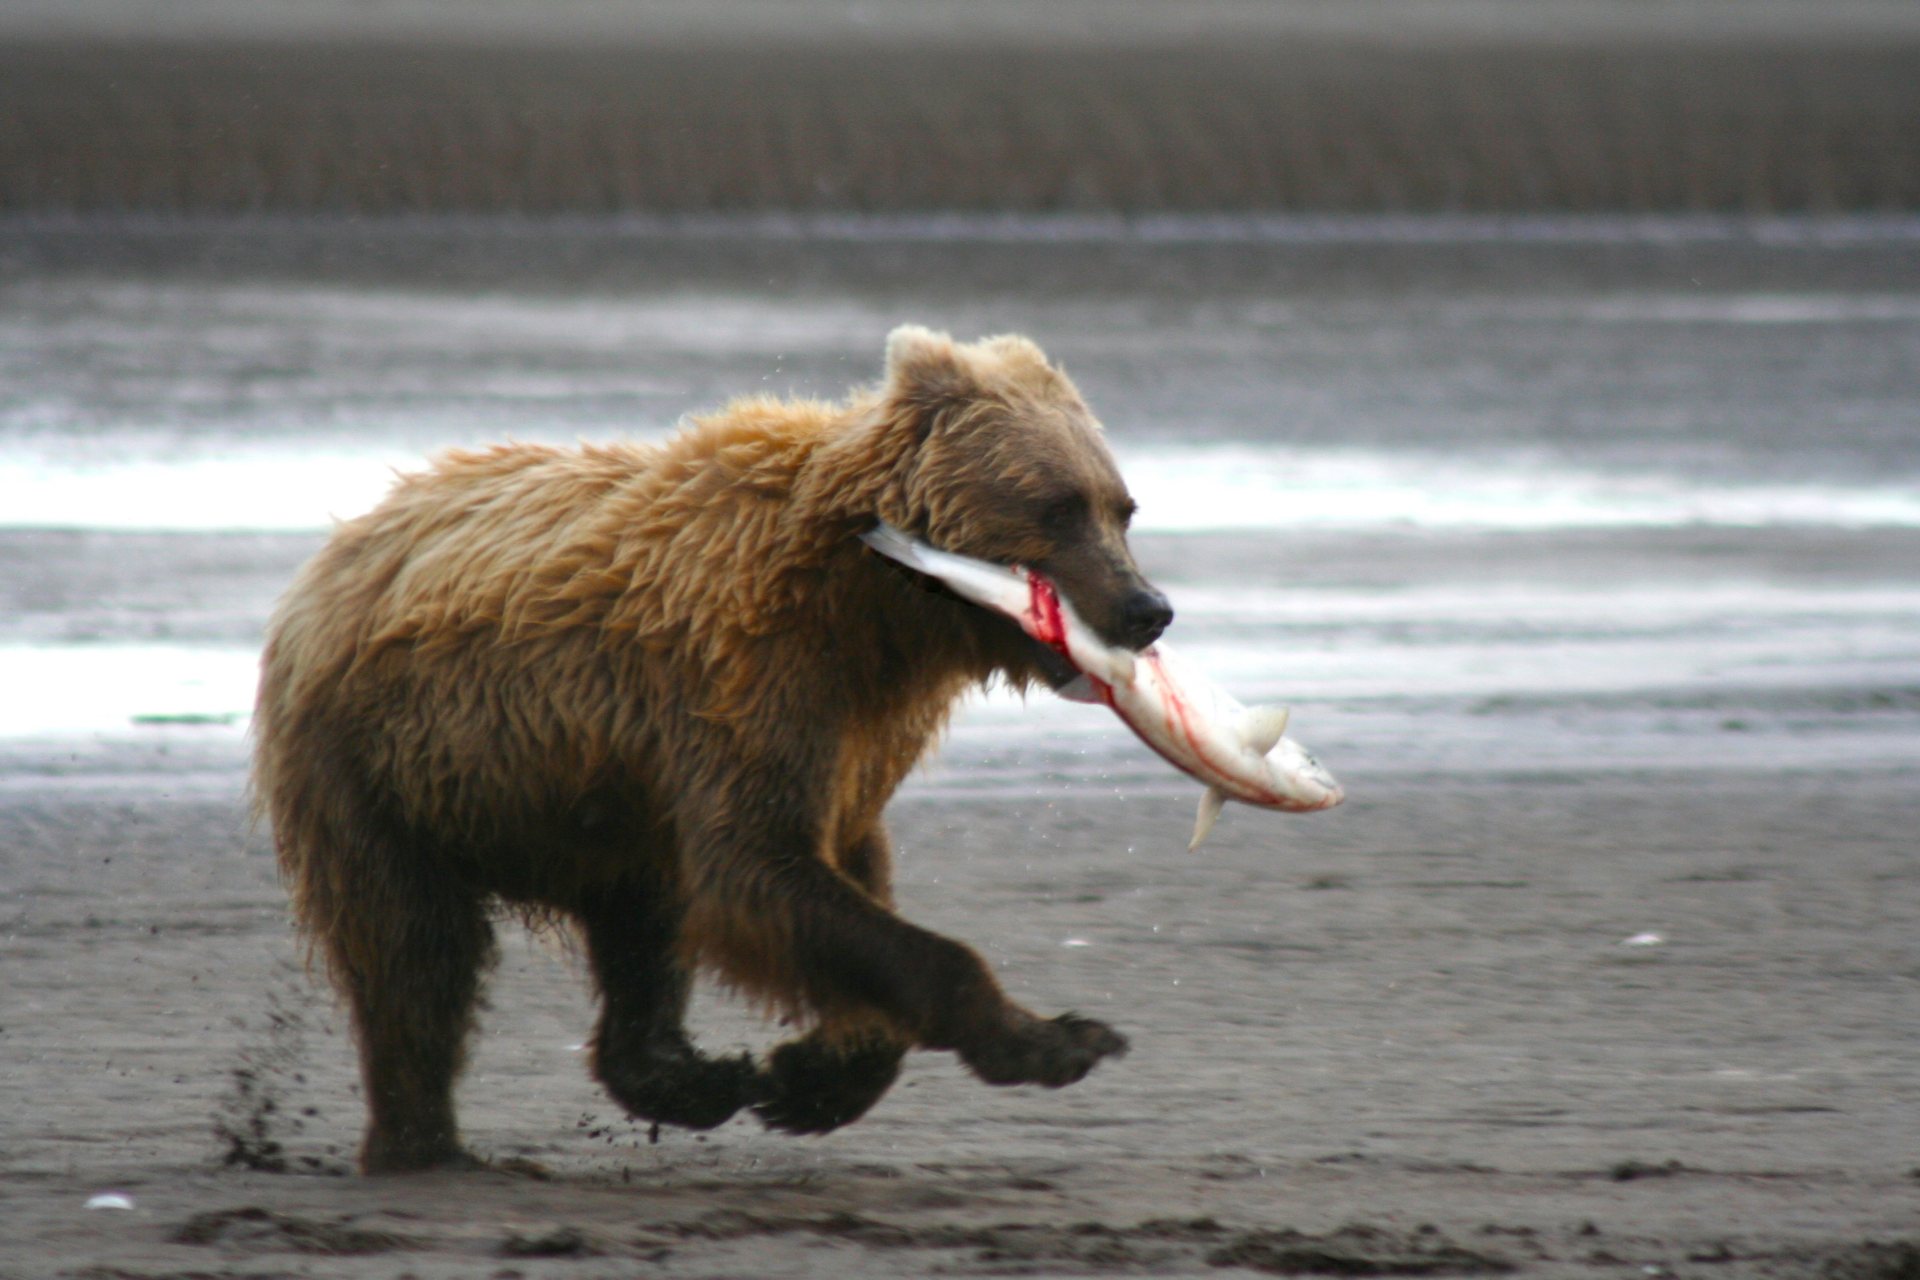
(1145, 614)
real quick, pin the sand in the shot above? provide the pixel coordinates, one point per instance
(1430, 1033)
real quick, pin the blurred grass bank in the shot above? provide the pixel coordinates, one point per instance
(510, 106)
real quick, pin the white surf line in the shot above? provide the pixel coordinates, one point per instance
(1237, 487)
(247, 490)
(77, 689)
(1231, 488)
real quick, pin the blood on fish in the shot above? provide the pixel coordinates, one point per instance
(1195, 727)
(1049, 627)
(1182, 720)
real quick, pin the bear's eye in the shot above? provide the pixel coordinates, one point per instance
(1063, 515)
(1125, 512)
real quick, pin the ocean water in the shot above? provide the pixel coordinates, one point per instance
(1485, 500)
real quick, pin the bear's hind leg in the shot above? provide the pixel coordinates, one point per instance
(410, 954)
(641, 1052)
(816, 1084)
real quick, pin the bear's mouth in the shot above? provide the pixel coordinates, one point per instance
(1053, 666)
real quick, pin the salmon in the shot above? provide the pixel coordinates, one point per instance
(1237, 752)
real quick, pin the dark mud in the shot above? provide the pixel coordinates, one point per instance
(249, 1120)
(254, 1230)
(861, 1244)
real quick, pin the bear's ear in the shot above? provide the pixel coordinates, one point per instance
(1017, 352)
(1021, 364)
(924, 366)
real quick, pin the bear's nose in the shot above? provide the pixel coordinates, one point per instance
(1144, 616)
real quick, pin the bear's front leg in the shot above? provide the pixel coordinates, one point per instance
(779, 921)
(1032, 1050)
(939, 990)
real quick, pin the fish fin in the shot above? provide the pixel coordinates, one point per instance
(1081, 689)
(1210, 806)
(1262, 727)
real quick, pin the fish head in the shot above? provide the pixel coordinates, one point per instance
(1303, 783)
(1013, 468)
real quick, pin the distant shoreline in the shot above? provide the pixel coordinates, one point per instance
(1270, 123)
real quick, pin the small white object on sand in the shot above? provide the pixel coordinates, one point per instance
(110, 1200)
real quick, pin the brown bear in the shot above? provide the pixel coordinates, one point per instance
(662, 694)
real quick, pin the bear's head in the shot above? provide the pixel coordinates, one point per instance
(1005, 463)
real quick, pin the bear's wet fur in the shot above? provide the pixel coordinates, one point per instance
(663, 693)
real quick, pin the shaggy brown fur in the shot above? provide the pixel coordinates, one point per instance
(665, 693)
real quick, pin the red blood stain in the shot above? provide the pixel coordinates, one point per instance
(1049, 627)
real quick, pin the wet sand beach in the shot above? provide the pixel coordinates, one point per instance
(1414, 1037)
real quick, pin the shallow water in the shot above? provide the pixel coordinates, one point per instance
(1473, 496)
